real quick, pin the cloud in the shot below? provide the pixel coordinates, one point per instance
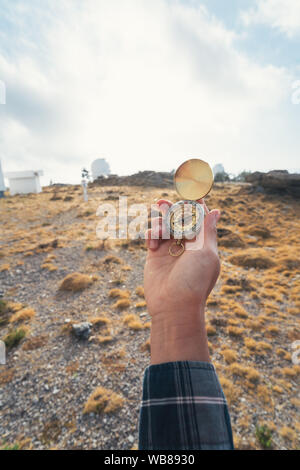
(283, 15)
(144, 84)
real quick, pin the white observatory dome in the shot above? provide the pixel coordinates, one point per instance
(218, 169)
(100, 167)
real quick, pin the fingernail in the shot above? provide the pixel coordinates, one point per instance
(153, 244)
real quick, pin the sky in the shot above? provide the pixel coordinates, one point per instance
(149, 84)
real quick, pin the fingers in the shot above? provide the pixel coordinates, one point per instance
(203, 203)
(210, 229)
(164, 205)
(153, 236)
(152, 244)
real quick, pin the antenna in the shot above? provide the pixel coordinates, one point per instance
(2, 185)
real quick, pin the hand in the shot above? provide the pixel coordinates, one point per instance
(176, 290)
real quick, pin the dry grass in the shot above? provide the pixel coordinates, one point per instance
(14, 337)
(288, 433)
(146, 347)
(258, 231)
(6, 376)
(72, 368)
(14, 306)
(98, 322)
(49, 266)
(126, 268)
(34, 343)
(111, 259)
(118, 293)
(291, 371)
(104, 339)
(75, 282)
(229, 355)
(133, 322)
(246, 372)
(4, 267)
(231, 390)
(235, 331)
(140, 291)
(122, 304)
(23, 315)
(103, 400)
(257, 259)
(210, 330)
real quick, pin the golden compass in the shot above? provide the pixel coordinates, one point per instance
(193, 181)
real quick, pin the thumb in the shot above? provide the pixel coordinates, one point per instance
(210, 229)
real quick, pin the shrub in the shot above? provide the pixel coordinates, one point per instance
(248, 372)
(133, 322)
(235, 331)
(112, 259)
(98, 322)
(252, 259)
(118, 293)
(146, 347)
(229, 356)
(22, 315)
(4, 313)
(140, 291)
(122, 304)
(75, 282)
(103, 339)
(103, 400)
(264, 436)
(13, 338)
(4, 267)
(35, 343)
(257, 231)
(49, 266)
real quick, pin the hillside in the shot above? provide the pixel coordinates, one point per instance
(57, 391)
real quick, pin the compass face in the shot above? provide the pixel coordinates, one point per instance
(184, 219)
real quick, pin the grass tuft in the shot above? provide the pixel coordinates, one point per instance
(103, 400)
(75, 282)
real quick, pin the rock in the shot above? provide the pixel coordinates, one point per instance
(277, 181)
(82, 330)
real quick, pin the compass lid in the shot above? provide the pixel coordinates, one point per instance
(193, 179)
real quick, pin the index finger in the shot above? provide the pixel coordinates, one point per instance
(164, 205)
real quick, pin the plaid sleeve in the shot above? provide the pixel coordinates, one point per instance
(183, 408)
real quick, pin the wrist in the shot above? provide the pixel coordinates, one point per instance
(179, 336)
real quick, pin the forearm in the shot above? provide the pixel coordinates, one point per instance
(179, 336)
(183, 408)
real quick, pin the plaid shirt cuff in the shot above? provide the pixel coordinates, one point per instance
(183, 408)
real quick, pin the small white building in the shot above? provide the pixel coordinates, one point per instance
(2, 185)
(24, 182)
